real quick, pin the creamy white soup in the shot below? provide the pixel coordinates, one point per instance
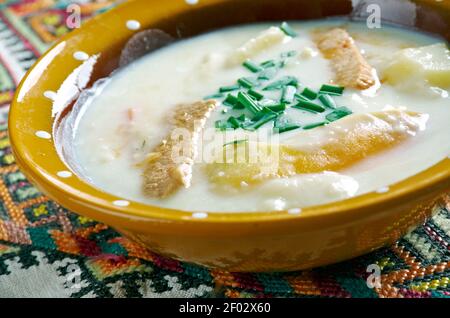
(269, 117)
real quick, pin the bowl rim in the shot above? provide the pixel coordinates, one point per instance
(437, 176)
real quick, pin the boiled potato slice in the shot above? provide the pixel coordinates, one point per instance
(345, 142)
(253, 47)
(428, 63)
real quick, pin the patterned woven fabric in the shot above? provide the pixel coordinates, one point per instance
(47, 251)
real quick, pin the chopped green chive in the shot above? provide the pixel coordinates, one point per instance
(309, 94)
(265, 111)
(255, 94)
(268, 73)
(238, 106)
(288, 94)
(249, 103)
(234, 122)
(244, 120)
(338, 114)
(284, 81)
(261, 121)
(327, 101)
(309, 106)
(301, 97)
(286, 128)
(252, 67)
(222, 125)
(230, 88)
(213, 96)
(248, 82)
(267, 64)
(230, 100)
(277, 108)
(315, 125)
(331, 89)
(286, 28)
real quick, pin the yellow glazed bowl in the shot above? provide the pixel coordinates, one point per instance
(269, 241)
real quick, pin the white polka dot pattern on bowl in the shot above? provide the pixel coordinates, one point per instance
(50, 95)
(80, 56)
(43, 134)
(121, 203)
(199, 215)
(64, 174)
(192, 2)
(133, 25)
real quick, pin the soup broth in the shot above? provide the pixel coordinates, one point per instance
(123, 129)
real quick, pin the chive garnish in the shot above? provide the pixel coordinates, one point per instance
(264, 112)
(339, 113)
(288, 94)
(315, 125)
(230, 100)
(252, 67)
(213, 96)
(331, 89)
(309, 106)
(268, 73)
(286, 128)
(286, 28)
(309, 94)
(267, 64)
(249, 103)
(234, 122)
(277, 108)
(301, 97)
(260, 122)
(248, 82)
(284, 81)
(264, 109)
(222, 125)
(230, 88)
(327, 101)
(244, 120)
(238, 106)
(255, 94)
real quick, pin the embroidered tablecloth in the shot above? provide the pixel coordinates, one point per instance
(47, 251)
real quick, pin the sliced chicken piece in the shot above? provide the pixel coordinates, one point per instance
(351, 69)
(344, 143)
(169, 166)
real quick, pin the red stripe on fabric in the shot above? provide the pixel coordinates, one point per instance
(248, 281)
(87, 247)
(168, 264)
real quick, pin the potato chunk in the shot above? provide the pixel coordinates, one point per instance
(346, 142)
(428, 63)
(253, 47)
